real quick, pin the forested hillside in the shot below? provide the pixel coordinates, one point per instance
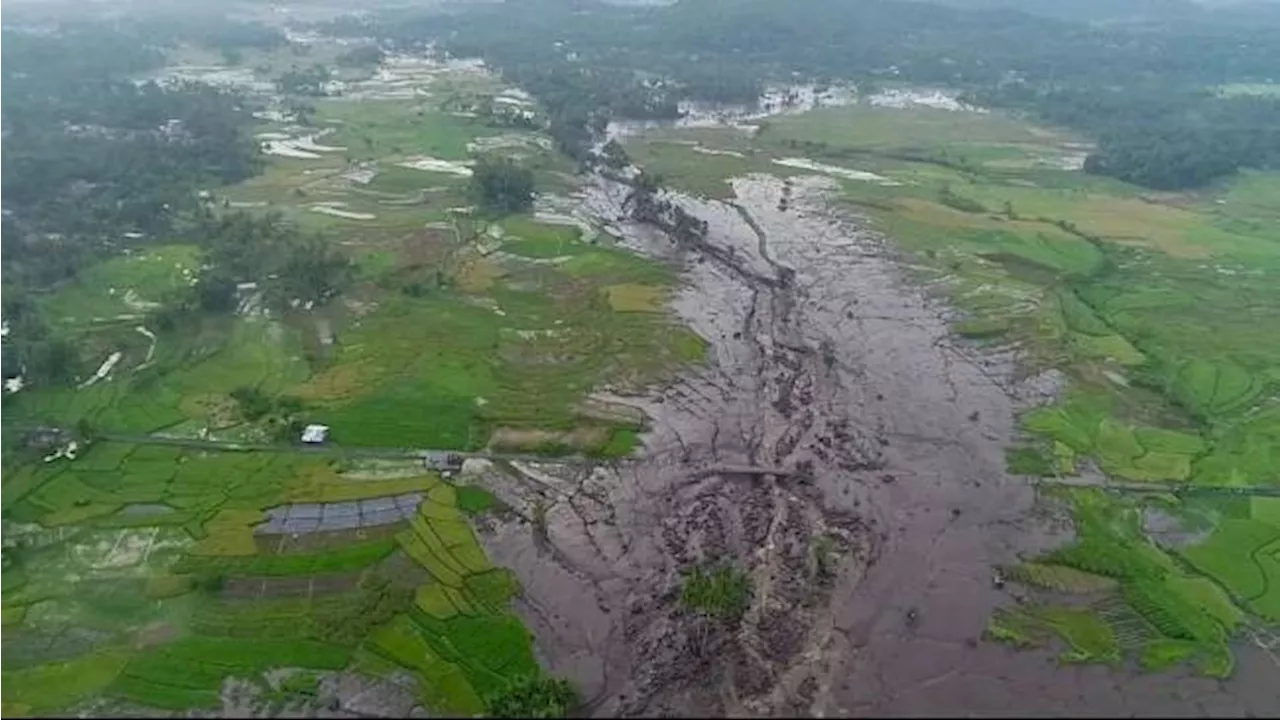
(1136, 87)
(97, 163)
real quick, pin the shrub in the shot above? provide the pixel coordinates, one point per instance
(1028, 461)
(210, 583)
(253, 403)
(474, 500)
(723, 591)
(533, 697)
(948, 197)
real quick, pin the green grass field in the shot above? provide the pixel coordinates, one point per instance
(123, 288)
(446, 370)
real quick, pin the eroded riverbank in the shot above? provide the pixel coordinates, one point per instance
(823, 359)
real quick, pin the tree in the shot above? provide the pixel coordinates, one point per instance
(286, 263)
(304, 81)
(501, 186)
(86, 430)
(303, 111)
(644, 191)
(10, 363)
(615, 156)
(1113, 81)
(254, 404)
(53, 361)
(363, 56)
(312, 271)
(216, 292)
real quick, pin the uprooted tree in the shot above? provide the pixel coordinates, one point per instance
(684, 228)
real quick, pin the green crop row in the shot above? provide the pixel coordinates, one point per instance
(190, 672)
(355, 556)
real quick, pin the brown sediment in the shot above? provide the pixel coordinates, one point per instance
(823, 360)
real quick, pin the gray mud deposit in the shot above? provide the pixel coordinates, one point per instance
(824, 361)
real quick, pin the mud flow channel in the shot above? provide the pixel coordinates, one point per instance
(872, 565)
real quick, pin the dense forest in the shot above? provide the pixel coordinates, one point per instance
(1158, 137)
(93, 159)
(1138, 85)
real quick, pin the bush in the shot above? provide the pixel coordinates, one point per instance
(474, 500)
(533, 697)
(1028, 461)
(210, 583)
(253, 403)
(723, 591)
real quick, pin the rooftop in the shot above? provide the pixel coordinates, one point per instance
(315, 433)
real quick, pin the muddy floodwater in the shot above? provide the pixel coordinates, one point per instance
(823, 358)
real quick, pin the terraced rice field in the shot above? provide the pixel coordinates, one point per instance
(147, 575)
(221, 578)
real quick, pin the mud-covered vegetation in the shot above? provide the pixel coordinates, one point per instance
(721, 591)
(1149, 305)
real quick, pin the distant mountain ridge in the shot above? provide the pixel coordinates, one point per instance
(1083, 8)
(1133, 10)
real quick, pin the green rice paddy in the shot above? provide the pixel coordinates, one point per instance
(136, 576)
(180, 597)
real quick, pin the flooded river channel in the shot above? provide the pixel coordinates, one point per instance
(872, 566)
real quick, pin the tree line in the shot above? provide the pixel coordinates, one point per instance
(284, 263)
(1139, 86)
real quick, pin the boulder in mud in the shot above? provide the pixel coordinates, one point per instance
(472, 467)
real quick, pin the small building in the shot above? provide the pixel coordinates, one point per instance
(315, 434)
